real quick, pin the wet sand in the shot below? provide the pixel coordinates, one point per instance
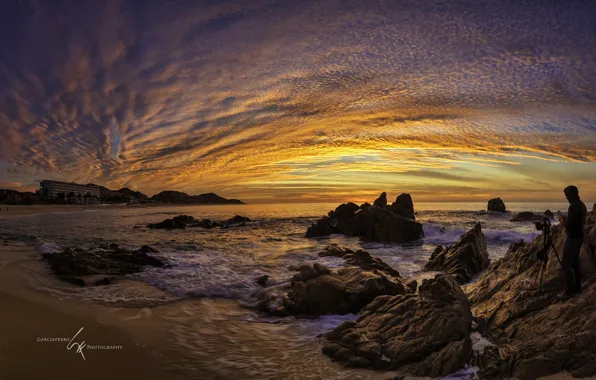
(28, 316)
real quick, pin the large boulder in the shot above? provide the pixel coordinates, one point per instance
(74, 262)
(536, 333)
(381, 201)
(424, 334)
(317, 290)
(496, 204)
(180, 221)
(464, 260)
(320, 228)
(236, 220)
(378, 224)
(403, 206)
(358, 258)
(525, 216)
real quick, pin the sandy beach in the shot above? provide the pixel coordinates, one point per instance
(30, 318)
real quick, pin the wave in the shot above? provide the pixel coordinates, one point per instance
(449, 234)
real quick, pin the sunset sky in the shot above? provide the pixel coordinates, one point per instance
(326, 100)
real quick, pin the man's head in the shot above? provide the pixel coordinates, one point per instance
(571, 193)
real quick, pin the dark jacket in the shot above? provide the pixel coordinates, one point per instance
(576, 218)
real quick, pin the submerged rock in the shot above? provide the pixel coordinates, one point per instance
(74, 262)
(537, 334)
(496, 204)
(525, 216)
(465, 259)
(424, 334)
(393, 223)
(180, 221)
(317, 290)
(236, 220)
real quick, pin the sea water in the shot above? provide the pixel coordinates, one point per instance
(214, 271)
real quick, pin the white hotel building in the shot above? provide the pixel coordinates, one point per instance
(51, 189)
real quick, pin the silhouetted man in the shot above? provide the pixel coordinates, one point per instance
(574, 227)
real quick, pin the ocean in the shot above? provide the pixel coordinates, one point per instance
(200, 298)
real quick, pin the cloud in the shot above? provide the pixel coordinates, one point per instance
(228, 96)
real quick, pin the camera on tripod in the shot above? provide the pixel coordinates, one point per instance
(543, 224)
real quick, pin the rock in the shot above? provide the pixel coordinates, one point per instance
(403, 206)
(180, 221)
(549, 214)
(148, 249)
(372, 223)
(359, 258)
(321, 228)
(74, 262)
(237, 219)
(317, 290)
(464, 260)
(496, 204)
(525, 216)
(113, 246)
(365, 205)
(412, 285)
(105, 281)
(73, 280)
(537, 335)
(262, 280)
(424, 334)
(377, 224)
(381, 201)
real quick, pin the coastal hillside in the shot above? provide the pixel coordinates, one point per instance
(169, 196)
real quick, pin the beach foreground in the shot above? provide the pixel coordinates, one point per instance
(28, 317)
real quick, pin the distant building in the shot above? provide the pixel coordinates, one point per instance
(69, 191)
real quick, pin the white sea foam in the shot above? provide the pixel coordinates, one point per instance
(49, 247)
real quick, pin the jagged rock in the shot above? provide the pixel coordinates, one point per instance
(525, 216)
(381, 201)
(371, 223)
(180, 221)
(365, 205)
(205, 223)
(496, 204)
(321, 228)
(113, 246)
(358, 258)
(549, 214)
(412, 285)
(317, 290)
(537, 334)
(403, 206)
(463, 260)
(73, 262)
(424, 334)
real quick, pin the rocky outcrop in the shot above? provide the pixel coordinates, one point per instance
(525, 216)
(358, 258)
(372, 223)
(496, 204)
(537, 334)
(464, 260)
(549, 214)
(395, 223)
(178, 197)
(180, 221)
(424, 334)
(317, 290)
(72, 263)
(403, 206)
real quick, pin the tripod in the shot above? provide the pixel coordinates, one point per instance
(543, 253)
